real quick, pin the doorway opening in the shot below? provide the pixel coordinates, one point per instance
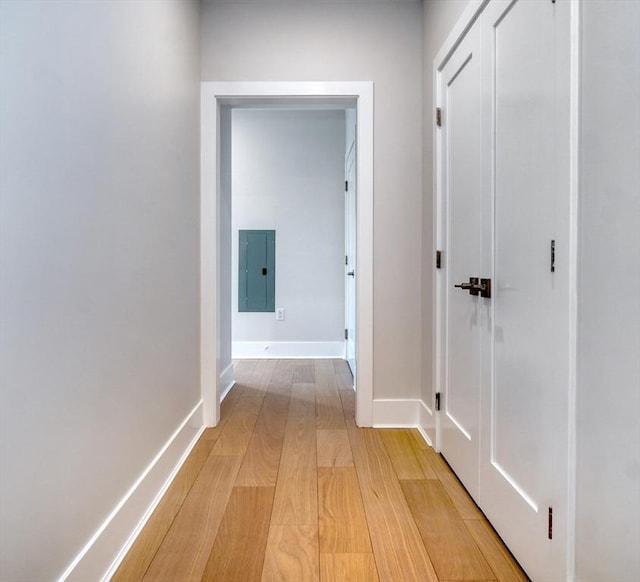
(287, 167)
(217, 271)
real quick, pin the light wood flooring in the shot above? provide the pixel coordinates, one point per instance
(287, 488)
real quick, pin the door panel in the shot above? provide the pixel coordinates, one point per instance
(523, 385)
(523, 232)
(462, 148)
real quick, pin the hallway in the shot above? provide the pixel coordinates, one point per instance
(287, 488)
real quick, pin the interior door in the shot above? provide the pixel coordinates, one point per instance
(350, 258)
(525, 379)
(504, 216)
(461, 232)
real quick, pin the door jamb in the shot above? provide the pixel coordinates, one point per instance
(213, 96)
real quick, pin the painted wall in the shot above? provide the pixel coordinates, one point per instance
(351, 41)
(439, 18)
(100, 263)
(608, 461)
(288, 175)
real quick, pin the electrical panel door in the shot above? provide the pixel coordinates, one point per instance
(257, 270)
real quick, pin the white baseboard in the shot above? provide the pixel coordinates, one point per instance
(103, 553)
(227, 381)
(427, 424)
(402, 413)
(287, 350)
(425, 436)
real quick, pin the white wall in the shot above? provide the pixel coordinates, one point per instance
(99, 285)
(608, 462)
(288, 175)
(351, 41)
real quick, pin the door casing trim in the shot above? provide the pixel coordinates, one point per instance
(217, 94)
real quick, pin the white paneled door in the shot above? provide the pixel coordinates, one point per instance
(462, 197)
(524, 462)
(504, 217)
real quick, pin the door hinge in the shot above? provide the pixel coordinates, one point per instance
(553, 256)
(438, 116)
(346, 259)
(550, 525)
(346, 334)
(346, 185)
(437, 401)
(438, 259)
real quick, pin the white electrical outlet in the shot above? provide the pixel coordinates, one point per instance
(280, 314)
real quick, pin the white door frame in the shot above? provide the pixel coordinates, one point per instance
(213, 96)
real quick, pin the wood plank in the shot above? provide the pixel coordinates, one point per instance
(258, 384)
(334, 449)
(324, 366)
(423, 456)
(238, 552)
(292, 554)
(463, 502)
(408, 461)
(329, 413)
(226, 407)
(147, 543)
(296, 496)
(243, 370)
(348, 568)
(419, 442)
(185, 549)
(303, 372)
(262, 459)
(397, 545)
(341, 518)
(281, 379)
(304, 392)
(341, 367)
(430, 498)
(235, 435)
(492, 547)
(453, 551)
(313, 486)
(343, 375)
(461, 499)
(348, 399)
(344, 382)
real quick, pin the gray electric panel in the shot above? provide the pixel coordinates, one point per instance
(257, 270)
